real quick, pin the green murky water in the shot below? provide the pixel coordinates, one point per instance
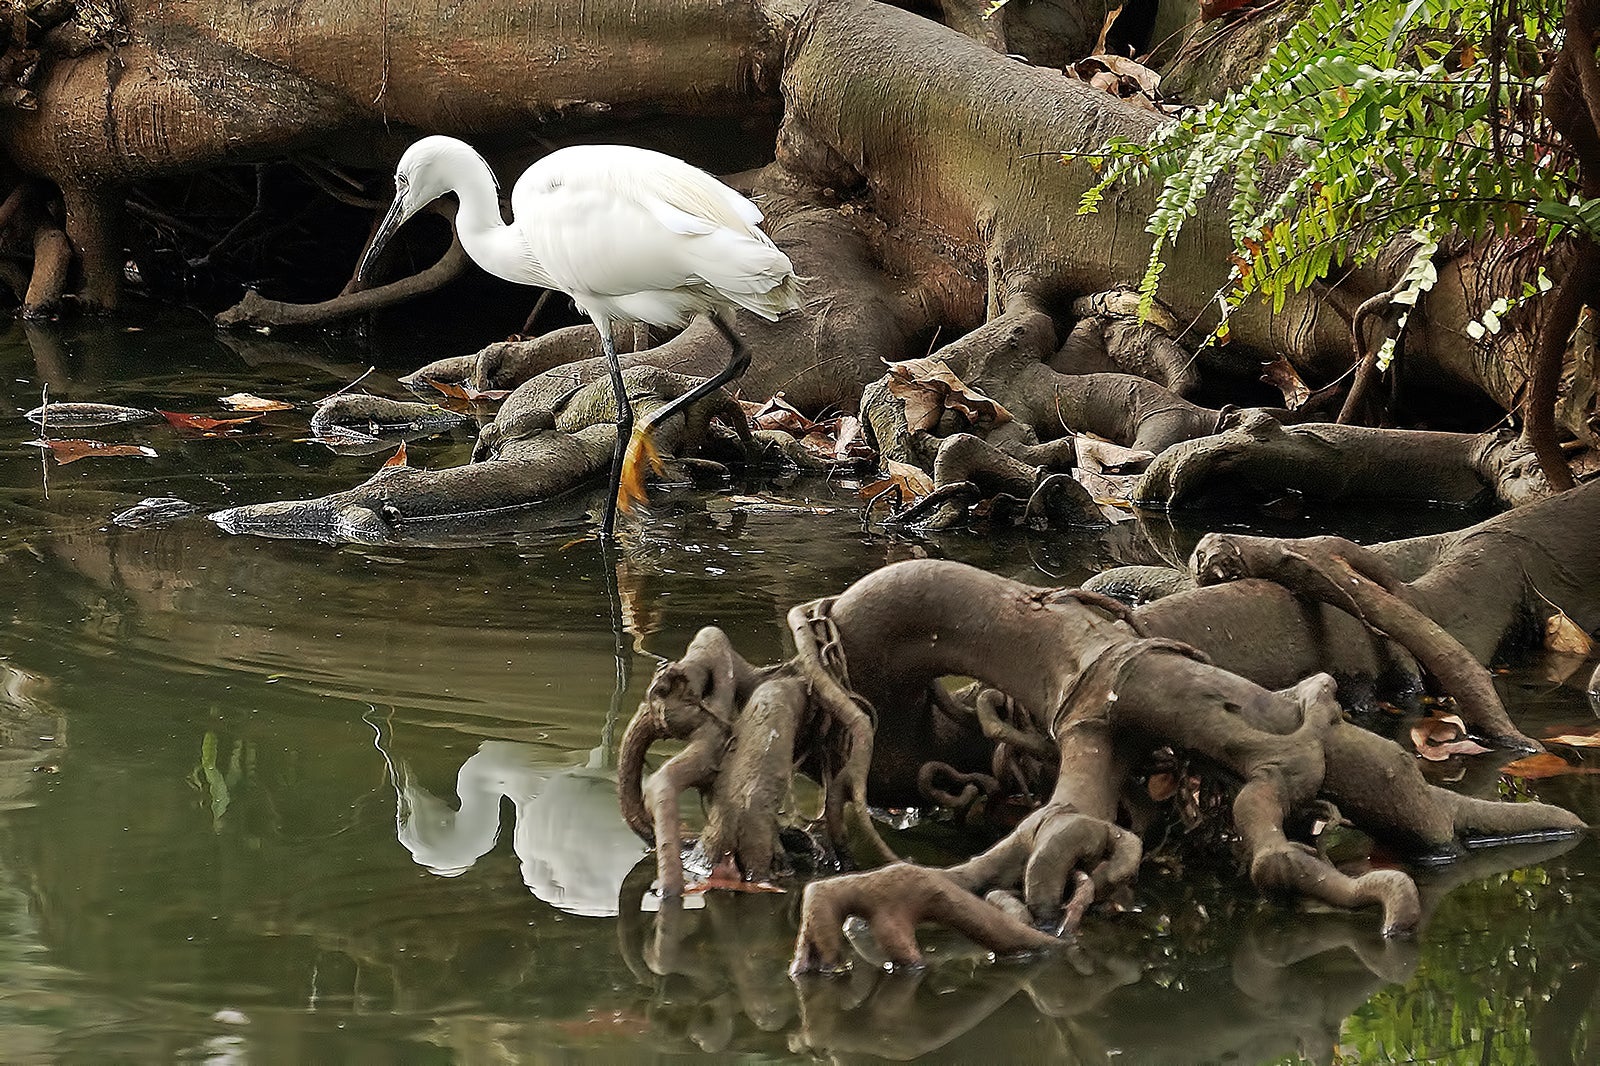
(267, 801)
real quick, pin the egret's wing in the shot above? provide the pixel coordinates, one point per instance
(678, 220)
(611, 221)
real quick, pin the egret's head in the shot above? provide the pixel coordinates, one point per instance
(429, 168)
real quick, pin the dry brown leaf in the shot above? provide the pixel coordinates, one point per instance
(1576, 740)
(1139, 77)
(1102, 457)
(1112, 492)
(1105, 27)
(205, 425)
(1162, 786)
(849, 442)
(463, 391)
(778, 413)
(927, 386)
(244, 401)
(398, 458)
(70, 451)
(1437, 739)
(819, 444)
(911, 482)
(1544, 765)
(1281, 375)
(1562, 634)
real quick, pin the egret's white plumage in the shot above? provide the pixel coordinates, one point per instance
(630, 234)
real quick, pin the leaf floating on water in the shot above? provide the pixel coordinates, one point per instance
(1440, 738)
(85, 415)
(398, 458)
(70, 451)
(1575, 740)
(463, 391)
(1562, 634)
(1544, 765)
(244, 401)
(1281, 375)
(911, 482)
(204, 425)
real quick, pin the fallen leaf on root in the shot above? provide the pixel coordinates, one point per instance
(244, 401)
(1562, 634)
(1440, 738)
(70, 451)
(849, 441)
(1130, 76)
(777, 413)
(1544, 765)
(1281, 375)
(912, 483)
(819, 444)
(1102, 457)
(928, 386)
(1113, 493)
(398, 458)
(463, 391)
(205, 425)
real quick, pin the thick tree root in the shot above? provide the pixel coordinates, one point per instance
(538, 459)
(1261, 457)
(254, 310)
(1081, 671)
(894, 900)
(1338, 572)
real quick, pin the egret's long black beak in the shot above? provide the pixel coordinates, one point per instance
(386, 229)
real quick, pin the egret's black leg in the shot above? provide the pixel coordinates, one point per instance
(738, 363)
(619, 391)
(620, 652)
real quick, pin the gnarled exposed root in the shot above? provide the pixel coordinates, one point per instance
(893, 900)
(1341, 573)
(820, 659)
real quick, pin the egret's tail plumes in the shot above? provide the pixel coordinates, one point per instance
(641, 453)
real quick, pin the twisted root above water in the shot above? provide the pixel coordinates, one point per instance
(1107, 697)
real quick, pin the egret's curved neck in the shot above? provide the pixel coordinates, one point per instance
(493, 245)
(480, 208)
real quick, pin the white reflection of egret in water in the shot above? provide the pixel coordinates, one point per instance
(568, 832)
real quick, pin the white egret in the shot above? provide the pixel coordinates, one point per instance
(630, 234)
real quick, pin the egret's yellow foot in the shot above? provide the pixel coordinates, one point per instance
(641, 453)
